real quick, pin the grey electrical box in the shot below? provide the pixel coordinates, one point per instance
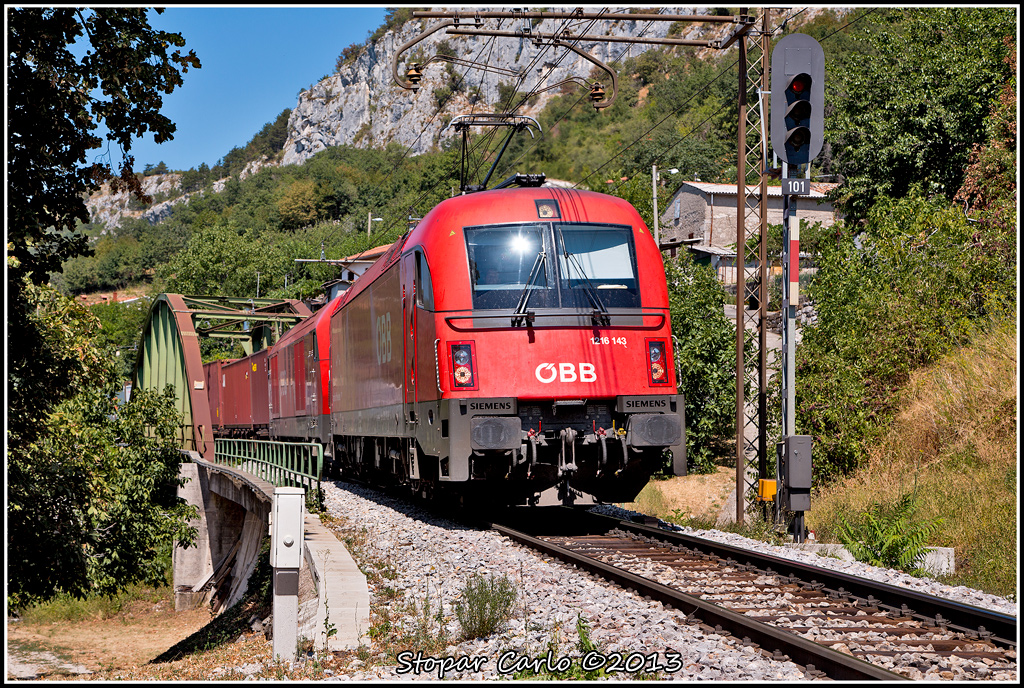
(795, 470)
(797, 461)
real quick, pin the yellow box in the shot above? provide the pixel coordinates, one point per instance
(766, 490)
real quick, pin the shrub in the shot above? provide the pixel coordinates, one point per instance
(705, 350)
(887, 537)
(914, 285)
(486, 605)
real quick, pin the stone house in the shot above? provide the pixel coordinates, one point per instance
(704, 214)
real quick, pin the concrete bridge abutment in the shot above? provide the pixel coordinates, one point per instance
(234, 518)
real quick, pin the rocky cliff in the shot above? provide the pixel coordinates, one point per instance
(363, 106)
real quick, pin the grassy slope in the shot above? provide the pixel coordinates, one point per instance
(955, 441)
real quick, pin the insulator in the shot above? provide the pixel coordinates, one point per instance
(414, 74)
(597, 93)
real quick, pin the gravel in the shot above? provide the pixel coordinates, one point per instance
(434, 558)
(429, 558)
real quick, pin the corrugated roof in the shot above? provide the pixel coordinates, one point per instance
(818, 189)
(713, 250)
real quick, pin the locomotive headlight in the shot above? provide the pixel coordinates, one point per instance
(655, 352)
(461, 358)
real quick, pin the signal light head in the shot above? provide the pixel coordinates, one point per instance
(797, 102)
(800, 83)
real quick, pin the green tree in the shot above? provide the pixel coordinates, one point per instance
(220, 260)
(300, 204)
(54, 110)
(910, 111)
(990, 183)
(92, 500)
(705, 349)
(913, 285)
(56, 102)
(120, 328)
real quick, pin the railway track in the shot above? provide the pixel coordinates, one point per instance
(836, 625)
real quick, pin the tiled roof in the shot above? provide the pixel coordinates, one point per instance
(371, 254)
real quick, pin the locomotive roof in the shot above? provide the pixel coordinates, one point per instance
(498, 206)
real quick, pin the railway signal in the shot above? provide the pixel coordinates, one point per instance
(797, 122)
(798, 98)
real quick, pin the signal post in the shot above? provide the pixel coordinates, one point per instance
(797, 123)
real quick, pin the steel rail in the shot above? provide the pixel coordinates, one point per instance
(800, 650)
(957, 615)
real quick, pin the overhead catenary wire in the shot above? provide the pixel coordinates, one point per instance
(578, 100)
(693, 131)
(482, 141)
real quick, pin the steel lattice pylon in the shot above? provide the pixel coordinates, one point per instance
(751, 302)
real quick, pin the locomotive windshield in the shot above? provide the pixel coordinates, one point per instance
(554, 265)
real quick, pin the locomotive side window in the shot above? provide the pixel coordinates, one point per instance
(601, 257)
(504, 261)
(424, 288)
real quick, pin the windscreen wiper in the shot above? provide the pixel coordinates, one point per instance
(521, 314)
(600, 314)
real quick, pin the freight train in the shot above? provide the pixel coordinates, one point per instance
(514, 347)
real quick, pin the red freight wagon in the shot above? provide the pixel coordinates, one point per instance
(244, 395)
(214, 382)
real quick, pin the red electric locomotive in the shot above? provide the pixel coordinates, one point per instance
(514, 344)
(299, 379)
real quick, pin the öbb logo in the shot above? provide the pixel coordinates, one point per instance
(565, 372)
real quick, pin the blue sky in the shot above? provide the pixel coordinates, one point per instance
(255, 61)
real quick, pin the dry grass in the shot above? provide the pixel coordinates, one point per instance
(691, 495)
(955, 443)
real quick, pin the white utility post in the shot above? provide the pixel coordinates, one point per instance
(286, 542)
(654, 194)
(370, 219)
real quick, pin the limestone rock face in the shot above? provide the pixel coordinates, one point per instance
(363, 106)
(109, 209)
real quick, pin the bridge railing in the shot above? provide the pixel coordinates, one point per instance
(283, 464)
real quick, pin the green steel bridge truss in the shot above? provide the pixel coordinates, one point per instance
(169, 354)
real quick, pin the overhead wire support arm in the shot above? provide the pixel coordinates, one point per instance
(556, 39)
(584, 37)
(576, 14)
(412, 84)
